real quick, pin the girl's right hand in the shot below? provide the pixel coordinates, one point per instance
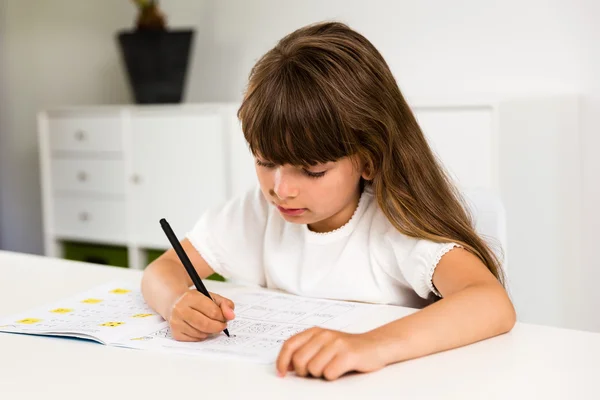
(194, 316)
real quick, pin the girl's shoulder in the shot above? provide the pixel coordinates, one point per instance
(374, 219)
(389, 242)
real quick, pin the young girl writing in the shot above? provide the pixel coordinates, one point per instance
(352, 205)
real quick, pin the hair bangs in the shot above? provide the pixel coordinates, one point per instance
(288, 117)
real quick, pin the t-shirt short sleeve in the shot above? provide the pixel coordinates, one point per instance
(416, 260)
(230, 237)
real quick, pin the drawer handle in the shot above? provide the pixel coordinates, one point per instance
(82, 176)
(84, 216)
(80, 135)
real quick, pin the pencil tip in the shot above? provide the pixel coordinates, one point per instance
(226, 332)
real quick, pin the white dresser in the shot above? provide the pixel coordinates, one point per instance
(110, 173)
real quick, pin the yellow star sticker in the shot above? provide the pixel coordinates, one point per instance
(29, 321)
(91, 301)
(62, 310)
(120, 291)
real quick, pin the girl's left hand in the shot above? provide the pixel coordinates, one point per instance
(329, 354)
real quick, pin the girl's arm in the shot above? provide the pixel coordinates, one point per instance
(474, 307)
(165, 279)
(191, 315)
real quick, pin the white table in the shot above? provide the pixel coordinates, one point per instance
(531, 362)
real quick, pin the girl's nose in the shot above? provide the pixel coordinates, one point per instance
(284, 187)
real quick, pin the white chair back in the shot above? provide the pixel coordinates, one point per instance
(489, 217)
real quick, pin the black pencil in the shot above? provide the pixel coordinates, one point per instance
(186, 261)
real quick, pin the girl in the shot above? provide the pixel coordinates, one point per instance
(352, 205)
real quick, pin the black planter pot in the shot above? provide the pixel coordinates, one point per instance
(156, 64)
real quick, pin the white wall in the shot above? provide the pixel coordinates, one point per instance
(586, 294)
(3, 102)
(63, 52)
(55, 52)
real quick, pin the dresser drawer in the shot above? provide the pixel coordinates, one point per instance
(88, 176)
(90, 219)
(85, 133)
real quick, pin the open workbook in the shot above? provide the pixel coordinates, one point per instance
(116, 315)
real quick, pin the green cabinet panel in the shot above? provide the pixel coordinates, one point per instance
(152, 255)
(95, 253)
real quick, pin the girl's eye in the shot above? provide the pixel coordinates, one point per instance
(314, 174)
(306, 172)
(264, 164)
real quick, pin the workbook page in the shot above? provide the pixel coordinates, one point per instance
(104, 314)
(264, 320)
(116, 314)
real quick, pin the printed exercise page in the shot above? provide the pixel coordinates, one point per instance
(105, 314)
(264, 320)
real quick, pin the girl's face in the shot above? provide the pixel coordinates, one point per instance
(324, 196)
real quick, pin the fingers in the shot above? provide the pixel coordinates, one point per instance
(284, 359)
(317, 364)
(337, 367)
(227, 312)
(195, 316)
(220, 299)
(204, 305)
(318, 353)
(302, 356)
(227, 306)
(184, 332)
(200, 321)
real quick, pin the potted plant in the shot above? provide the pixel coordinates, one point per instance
(156, 58)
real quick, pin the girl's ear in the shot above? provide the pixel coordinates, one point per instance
(368, 173)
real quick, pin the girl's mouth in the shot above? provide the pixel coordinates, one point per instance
(293, 212)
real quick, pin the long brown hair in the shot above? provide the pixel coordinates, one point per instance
(325, 92)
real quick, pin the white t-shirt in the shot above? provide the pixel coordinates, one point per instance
(365, 260)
